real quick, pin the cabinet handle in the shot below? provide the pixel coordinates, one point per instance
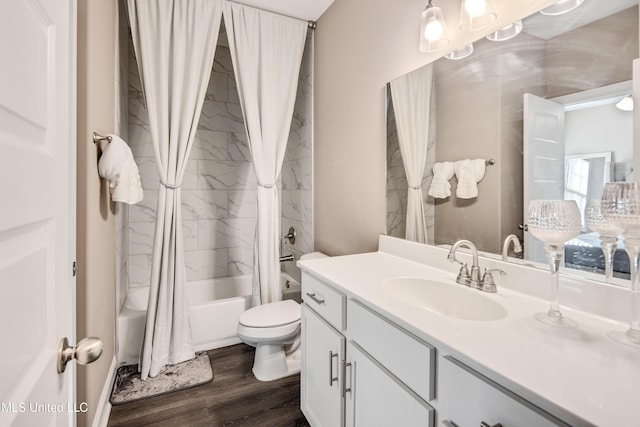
(448, 423)
(315, 299)
(345, 390)
(331, 377)
(485, 424)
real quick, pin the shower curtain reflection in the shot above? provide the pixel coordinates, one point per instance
(411, 96)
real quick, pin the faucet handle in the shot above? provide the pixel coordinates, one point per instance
(488, 285)
(463, 275)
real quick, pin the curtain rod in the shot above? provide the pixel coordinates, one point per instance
(310, 24)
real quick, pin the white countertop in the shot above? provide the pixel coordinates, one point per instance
(570, 373)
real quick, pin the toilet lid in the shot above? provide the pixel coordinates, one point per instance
(272, 314)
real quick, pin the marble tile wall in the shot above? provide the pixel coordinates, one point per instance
(218, 189)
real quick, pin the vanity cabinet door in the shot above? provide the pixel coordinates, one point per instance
(467, 398)
(321, 379)
(375, 398)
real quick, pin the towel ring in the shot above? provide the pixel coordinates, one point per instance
(97, 138)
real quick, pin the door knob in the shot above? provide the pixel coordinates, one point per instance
(88, 350)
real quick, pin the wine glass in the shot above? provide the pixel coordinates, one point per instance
(608, 233)
(554, 222)
(621, 207)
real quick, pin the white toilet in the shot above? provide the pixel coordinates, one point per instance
(274, 330)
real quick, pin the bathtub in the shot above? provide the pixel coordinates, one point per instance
(214, 307)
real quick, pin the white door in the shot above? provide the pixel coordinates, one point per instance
(543, 132)
(37, 210)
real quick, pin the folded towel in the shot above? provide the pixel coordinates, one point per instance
(117, 166)
(469, 173)
(440, 186)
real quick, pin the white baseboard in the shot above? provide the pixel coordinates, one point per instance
(103, 411)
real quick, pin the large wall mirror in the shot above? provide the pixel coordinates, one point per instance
(572, 70)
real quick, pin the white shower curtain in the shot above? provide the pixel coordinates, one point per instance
(411, 95)
(266, 50)
(174, 42)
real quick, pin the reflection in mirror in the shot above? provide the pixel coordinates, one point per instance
(580, 62)
(585, 176)
(591, 122)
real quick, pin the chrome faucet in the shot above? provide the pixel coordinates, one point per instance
(517, 248)
(473, 280)
(474, 275)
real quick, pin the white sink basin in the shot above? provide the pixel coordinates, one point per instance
(446, 299)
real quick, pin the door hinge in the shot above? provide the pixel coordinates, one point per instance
(74, 268)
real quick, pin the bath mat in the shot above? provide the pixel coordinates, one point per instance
(128, 386)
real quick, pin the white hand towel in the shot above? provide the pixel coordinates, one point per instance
(440, 186)
(469, 173)
(117, 166)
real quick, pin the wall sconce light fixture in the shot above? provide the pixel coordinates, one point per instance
(476, 14)
(562, 6)
(433, 30)
(506, 32)
(463, 52)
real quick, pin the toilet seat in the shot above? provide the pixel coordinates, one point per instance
(281, 333)
(273, 315)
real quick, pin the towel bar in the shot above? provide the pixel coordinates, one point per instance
(97, 138)
(489, 162)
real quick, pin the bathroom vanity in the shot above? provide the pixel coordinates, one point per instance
(389, 338)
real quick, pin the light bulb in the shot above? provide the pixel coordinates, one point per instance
(475, 8)
(476, 14)
(433, 30)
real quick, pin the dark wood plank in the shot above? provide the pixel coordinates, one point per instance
(234, 398)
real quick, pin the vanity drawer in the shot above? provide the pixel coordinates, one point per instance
(324, 300)
(409, 359)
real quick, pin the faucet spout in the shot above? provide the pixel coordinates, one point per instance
(475, 281)
(467, 244)
(517, 248)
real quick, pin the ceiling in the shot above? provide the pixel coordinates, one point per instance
(307, 10)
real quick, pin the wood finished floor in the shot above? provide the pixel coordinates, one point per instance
(233, 398)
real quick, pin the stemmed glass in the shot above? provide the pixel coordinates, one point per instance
(554, 222)
(621, 207)
(607, 232)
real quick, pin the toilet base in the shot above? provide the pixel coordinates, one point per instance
(272, 363)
